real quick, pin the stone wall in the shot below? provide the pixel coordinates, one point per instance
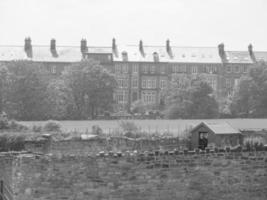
(93, 146)
(151, 176)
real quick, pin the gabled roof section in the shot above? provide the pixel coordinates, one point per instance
(43, 54)
(180, 54)
(238, 57)
(218, 128)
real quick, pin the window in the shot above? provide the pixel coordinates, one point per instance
(122, 83)
(135, 68)
(194, 69)
(154, 83)
(117, 69)
(236, 69)
(152, 69)
(163, 84)
(144, 83)
(125, 69)
(162, 69)
(228, 83)
(145, 68)
(149, 97)
(149, 84)
(228, 69)
(135, 83)
(53, 69)
(121, 96)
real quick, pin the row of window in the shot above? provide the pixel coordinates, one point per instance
(237, 69)
(124, 69)
(149, 83)
(149, 97)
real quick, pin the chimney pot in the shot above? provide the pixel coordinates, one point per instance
(114, 47)
(141, 48)
(53, 49)
(168, 49)
(28, 47)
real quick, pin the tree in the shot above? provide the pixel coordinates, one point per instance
(92, 88)
(60, 100)
(27, 94)
(4, 78)
(250, 97)
(190, 98)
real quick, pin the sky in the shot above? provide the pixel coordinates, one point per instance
(236, 23)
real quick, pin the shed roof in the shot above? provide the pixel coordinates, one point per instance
(218, 128)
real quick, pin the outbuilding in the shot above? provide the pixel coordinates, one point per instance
(217, 134)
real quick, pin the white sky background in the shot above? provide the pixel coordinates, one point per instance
(185, 22)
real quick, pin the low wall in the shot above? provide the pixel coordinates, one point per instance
(129, 176)
(93, 146)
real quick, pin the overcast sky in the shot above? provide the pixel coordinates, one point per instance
(185, 22)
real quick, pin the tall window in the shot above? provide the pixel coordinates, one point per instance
(153, 69)
(236, 69)
(228, 69)
(194, 69)
(135, 68)
(144, 83)
(135, 83)
(125, 69)
(163, 84)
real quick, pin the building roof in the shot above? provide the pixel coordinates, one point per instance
(43, 54)
(218, 128)
(238, 57)
(261, 55)
(180, 54)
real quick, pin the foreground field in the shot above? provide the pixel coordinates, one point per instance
(173, 126)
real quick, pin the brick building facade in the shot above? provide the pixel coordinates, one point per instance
(143, 72)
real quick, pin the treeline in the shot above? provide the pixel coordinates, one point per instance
(190, 97)
(27, 91)
(85, 89)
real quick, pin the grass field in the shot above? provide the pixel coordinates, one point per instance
(172, 126)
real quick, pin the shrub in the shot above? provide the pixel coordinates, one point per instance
(52, 126)
(128, 126)
(37, 128)
(3, 122)
(96, 130)
(253, 143)
(11, 142)
(14, 125)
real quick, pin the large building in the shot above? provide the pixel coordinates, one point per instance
(143, 72)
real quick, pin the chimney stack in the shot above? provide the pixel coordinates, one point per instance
(53, 49)
(169, 49)
(141, 48)
(114, 48)
(251, 53)
(222, 53)
(124, 55)
(156, 57)
(28, 47)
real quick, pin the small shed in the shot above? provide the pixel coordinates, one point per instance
(218, 134)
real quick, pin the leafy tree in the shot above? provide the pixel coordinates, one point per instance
(60, 100)
(190, 98)
(92, 88)
(250, 97)
(27, 94)
(4, 78)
